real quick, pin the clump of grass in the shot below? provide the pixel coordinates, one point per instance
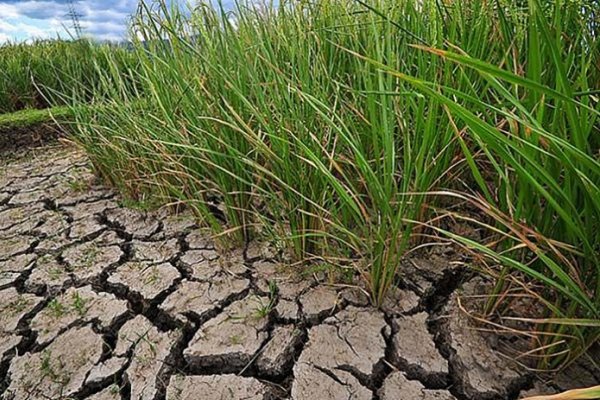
(79, 304)
(263, 309)
(337, 125)
(57, 309)
(531, 141)
(297, 135)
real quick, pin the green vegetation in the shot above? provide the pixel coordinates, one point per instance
(80, 304)
(32, 117)
(56, 308)
(37, 75)
(355, 130)
(21, 126)
(53, 369)
(264, 308)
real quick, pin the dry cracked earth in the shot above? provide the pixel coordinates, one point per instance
(102, 302)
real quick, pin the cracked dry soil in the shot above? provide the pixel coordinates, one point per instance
(102, 302)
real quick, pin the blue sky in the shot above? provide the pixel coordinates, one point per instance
(101, 19)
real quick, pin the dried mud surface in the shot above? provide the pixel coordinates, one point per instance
(98, 301)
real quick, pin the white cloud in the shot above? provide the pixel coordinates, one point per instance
(23, 30)
(8, 11)
(101, 19)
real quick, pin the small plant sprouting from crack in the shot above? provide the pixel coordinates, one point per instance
(56, 308)
(46, 365)
(79, 304)
(78, 185)
(135, 265)
(54, 270)
(114, 389)
(55, 273)
(235, 339)
(151, 345)
(48, 369)
(90, 257)
(264, 309)
(153, 277)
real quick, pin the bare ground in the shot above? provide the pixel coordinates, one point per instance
(102, 302)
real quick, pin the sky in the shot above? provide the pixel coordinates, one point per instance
(28, 19)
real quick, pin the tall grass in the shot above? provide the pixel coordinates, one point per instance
(538, 136)
(38, 74)
(333, 126)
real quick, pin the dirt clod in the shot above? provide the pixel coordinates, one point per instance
(59, 370)
(215, 387)
(397, 387)
(346, 349)
(199, 299)
(278, 354)
(413, 350)
(231, 339)
(144, 279)
(14, 306)
(480, 372)
(151, 356)
(76, 305)
(319, 302)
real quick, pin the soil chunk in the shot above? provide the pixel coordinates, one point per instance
(278, 354)
(319, 303)
(59, 370)
(49, 275)
(201, 298)
(481, 372)
(413, 350)
(231, 339)
(202, 264)
(88, 260)
(215, 387)
(13, 268)
(138, 224)
(397, 387)
(76, 305)
(14, 306)
(151, 356)
(346, 346)
(144, 279)
(155, 252)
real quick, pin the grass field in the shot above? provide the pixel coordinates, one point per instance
(353, 131)
(44, 73)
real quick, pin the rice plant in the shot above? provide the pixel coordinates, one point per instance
(42, 73)
(339, 127)
(537, 138)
